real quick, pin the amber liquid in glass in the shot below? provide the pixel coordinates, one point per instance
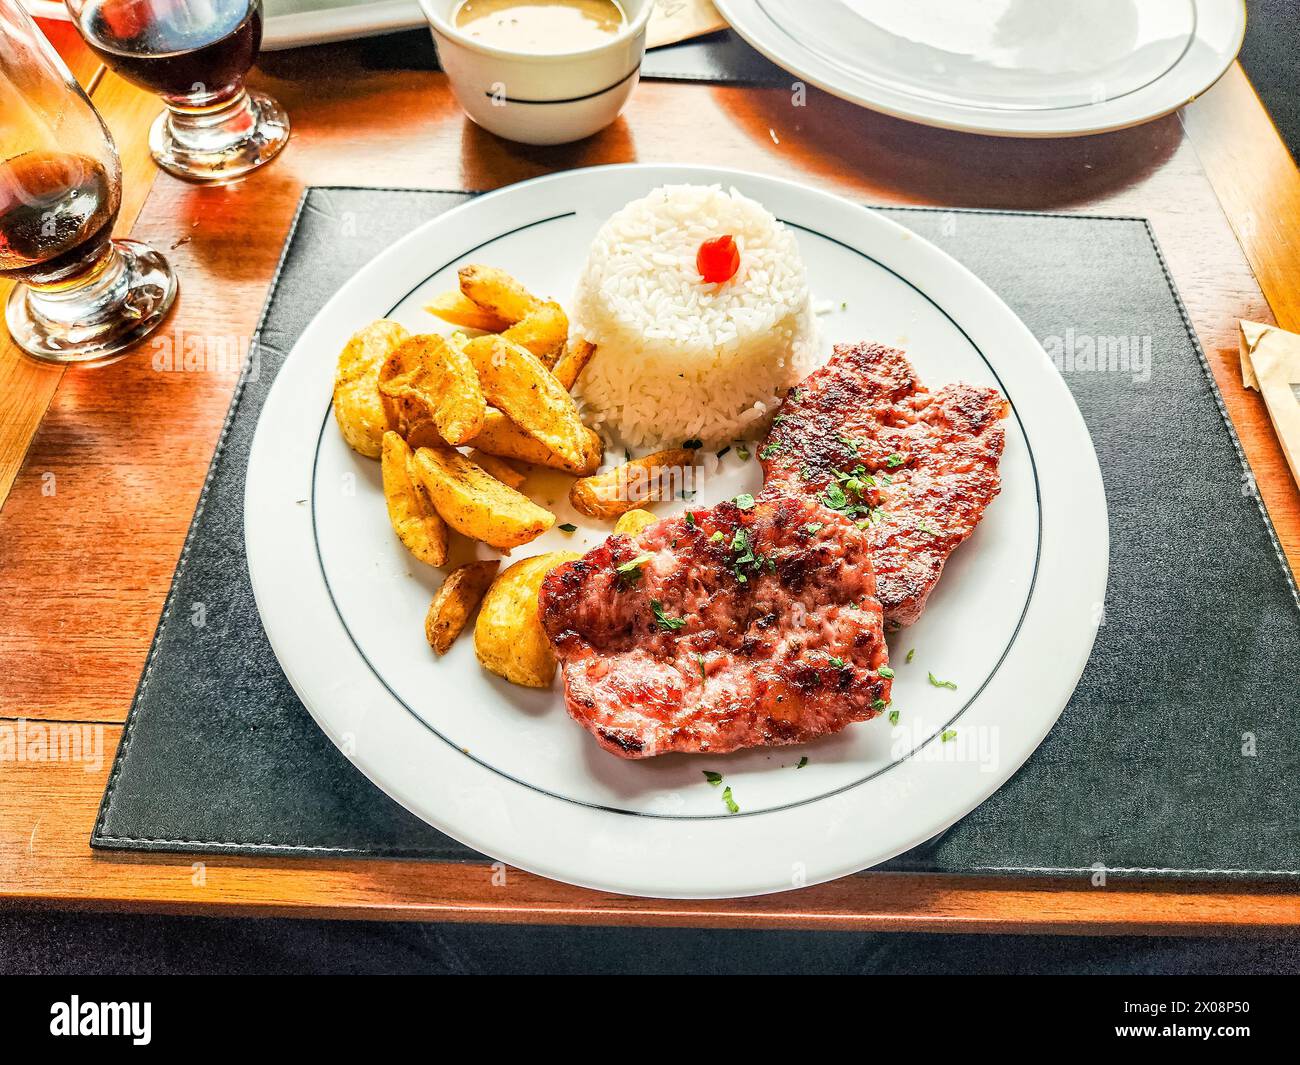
(56, 212)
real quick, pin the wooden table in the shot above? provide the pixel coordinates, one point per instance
(101, 469)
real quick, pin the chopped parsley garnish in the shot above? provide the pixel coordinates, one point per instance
(947, 735)
(731, 803)
(744, 501)
(910, 655)
(835, 497)
(886, 672)
(814, 527)
(713, 778)
(704, 677)
(893, 717)
(716, 538)
(838, 663)
(802, 762)
(847, 494)
(851, 442)
(568, 527)
(668, 624)
(878, 704)
(924, 526)
(690, 519)
(942, 683)
(744, 548)
(742, 452)
(857, 480)
(770, 450)
(630, 572)
(894, 461)
(693, 444)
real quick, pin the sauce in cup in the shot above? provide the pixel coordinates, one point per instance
(541, 27)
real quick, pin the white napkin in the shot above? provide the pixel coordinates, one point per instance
(1270, 364)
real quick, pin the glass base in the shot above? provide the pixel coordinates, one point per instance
(223, 143)
(99, 321)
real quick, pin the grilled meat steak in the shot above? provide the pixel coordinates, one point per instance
(733, 626)
(759, 623)
(864, 436)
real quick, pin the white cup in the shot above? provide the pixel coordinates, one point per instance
(540, 99)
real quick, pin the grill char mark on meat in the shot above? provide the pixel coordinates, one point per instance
(933, 456)
(790, 652)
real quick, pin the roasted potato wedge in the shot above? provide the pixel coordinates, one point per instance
(543, 332)
(458, 309)
(500, 436)
(410, 510)
(475, 503)
(401, 378)
(423, 434)
(508, 637)
(425, 378)
(455, 601)
(499, 468)
(460, 408)
(631, 523)
(515, 381)
(496, 292)
(645, 480)
(358, 406)
(571, 363)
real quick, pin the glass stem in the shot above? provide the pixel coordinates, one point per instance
(85, 305)
(210, 129)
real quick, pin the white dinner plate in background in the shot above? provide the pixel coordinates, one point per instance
(1019, 68)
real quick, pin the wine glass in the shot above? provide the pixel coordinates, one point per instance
(195, 55)
(80, 296)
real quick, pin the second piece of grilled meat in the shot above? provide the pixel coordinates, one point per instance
(915, 468)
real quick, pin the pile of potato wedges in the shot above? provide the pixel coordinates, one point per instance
(455, 420)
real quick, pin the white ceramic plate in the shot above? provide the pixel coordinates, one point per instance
(504, 769)
(294, 23)
(1020, 68)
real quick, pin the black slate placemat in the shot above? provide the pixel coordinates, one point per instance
(1176, 756)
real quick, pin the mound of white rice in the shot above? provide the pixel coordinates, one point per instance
(677, 358)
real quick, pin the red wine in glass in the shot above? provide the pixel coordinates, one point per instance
(195, 54)
(175, 49)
